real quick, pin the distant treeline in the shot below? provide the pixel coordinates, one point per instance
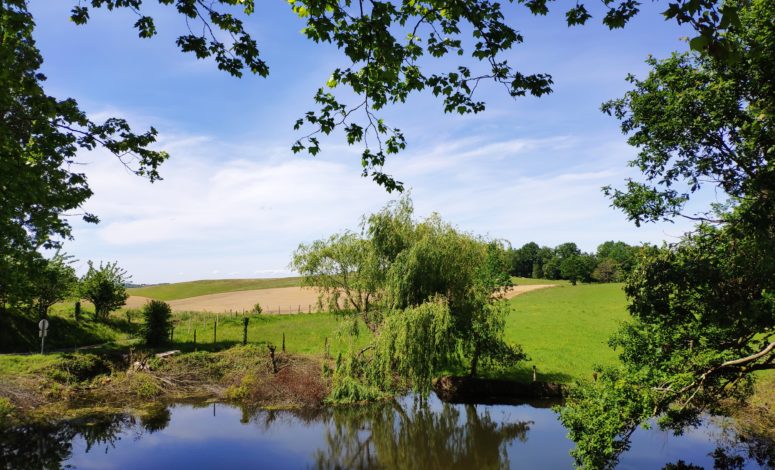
(610, 263)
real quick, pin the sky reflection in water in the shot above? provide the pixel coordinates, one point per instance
(398, 435)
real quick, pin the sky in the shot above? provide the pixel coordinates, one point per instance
(235, 202)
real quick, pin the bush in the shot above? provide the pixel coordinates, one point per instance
(78, 367)
(257, 308)
(158, 323)
(104, 287)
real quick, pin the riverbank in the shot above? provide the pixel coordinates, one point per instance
(40, 388)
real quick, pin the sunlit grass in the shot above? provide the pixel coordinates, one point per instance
(565, 330)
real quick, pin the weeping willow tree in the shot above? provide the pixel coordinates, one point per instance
(434, 300)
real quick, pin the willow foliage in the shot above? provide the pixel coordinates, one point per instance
(412, 344)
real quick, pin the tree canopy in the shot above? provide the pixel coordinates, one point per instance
(104, 286)
(703, 310)
(433, 297)
(388, 47)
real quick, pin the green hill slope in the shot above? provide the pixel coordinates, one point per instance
(565, 330)
(183, 290)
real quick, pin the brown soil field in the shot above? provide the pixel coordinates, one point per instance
(277, 300)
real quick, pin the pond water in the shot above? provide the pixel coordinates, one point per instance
(401, 435)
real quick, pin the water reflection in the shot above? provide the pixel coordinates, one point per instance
(401, 434)
(420, 437)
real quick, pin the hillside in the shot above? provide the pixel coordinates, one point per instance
(183, 290)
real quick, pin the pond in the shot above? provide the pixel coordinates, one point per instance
(401, 435)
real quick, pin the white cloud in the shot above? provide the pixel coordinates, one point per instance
(231, 209)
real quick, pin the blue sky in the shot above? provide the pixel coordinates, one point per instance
(235, 202)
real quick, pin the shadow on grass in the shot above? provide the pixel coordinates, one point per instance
(19, 332)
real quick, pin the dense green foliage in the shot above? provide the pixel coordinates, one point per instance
(703, 310)
(612, 262)
(157, 325)
(39, 285)
(39, 143)
(104, 287)
(429, 292)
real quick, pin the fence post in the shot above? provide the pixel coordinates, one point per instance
(283, 341)
(215, 331)
(245, 331)
(172, 333)
(194, 339)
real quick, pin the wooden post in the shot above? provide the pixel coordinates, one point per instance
(310, 308)
(271, 348)
(172, 333)
(283, 341)
(215, 331)
(534, 373)
(245, 331)
(299, 309)
(325, 349)
(194, 339)
(77, 310)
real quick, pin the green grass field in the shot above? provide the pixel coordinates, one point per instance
(565, 330)
(304, 333)
(529, 281)
(183, 290)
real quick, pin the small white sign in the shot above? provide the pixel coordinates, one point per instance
(43, 325)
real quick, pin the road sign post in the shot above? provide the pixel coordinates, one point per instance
(42, 332)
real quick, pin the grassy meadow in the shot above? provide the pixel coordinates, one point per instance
(183, 290)
(565, 329)
(304, 333)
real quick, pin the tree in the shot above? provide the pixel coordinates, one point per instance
(703, 310)
(623, 254)
(607, 270)
(54, 282)
(39, 141)
(344, 268)
(158, 323)
(577, 268)
(436, 298)
(104, 287)
(524, 259)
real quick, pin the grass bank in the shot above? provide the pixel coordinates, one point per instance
(183, 290)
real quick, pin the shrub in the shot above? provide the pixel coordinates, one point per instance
(257, 308)
(78, 367)
(158, 323)
(104, 287)
(6, 411)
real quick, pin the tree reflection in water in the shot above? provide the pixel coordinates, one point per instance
(388, 436)
(397, 434)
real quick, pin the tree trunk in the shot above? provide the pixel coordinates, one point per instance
(474, 362)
